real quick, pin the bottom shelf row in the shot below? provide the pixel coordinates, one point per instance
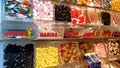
(26, 54)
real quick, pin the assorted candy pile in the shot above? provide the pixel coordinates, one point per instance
(43, 10)
(18, 8)
(69, 53)
(17, 56)
(113, 48)
(46, 57)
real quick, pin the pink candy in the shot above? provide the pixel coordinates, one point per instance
(43, 10)
(115, 19)
(100, 50)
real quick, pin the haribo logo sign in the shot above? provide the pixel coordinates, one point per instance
(55, 33)
(18, 33)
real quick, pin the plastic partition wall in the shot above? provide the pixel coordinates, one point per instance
(1, 46)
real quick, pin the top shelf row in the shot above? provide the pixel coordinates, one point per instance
(60, 10)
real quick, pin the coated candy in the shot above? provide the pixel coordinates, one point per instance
(18, 8)
(46, 57)
(69, 53)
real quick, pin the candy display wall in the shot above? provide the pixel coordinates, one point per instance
(66, 23)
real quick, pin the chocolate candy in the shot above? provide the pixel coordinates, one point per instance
(18, 8)
(16, 56)
(105, 18)
(62, 13)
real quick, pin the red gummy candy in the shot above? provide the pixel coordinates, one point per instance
(81, 19)
(74, 13)
(27, 4)
(79, 12)
(22, 12)
(74, 21)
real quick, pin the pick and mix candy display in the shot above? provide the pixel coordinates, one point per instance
(77, 15)
(43, 10)
(69, 53)
(46, 56)
(18, 8)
